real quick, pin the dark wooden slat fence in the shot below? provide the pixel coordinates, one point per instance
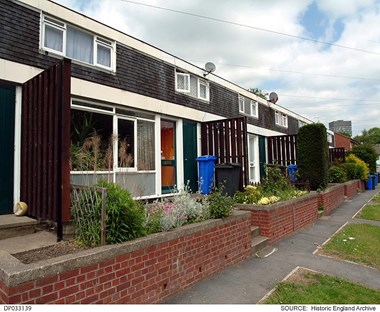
(45, 148)
(227, 140)
(281, 150)
(337, 154)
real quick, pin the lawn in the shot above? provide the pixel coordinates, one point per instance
(306, 287)
(370, 212)
(376, 199)
(356, 242)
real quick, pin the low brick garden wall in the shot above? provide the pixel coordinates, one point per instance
(283, 218)
(332, 197)
(351, 188)
(145, 270)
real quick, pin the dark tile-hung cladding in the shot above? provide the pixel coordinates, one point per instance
(136, 72)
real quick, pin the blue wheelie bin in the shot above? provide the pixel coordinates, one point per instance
(206, 167)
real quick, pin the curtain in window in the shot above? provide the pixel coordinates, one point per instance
(103, 55)
(53, 38)
(79, 45)
(145, 145)
(194, 86)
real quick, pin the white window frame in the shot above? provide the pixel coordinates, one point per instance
(186, 78)
(97, 40)
(254, 109)
(187, 86)
(241, 104)
(205, 84)
(281, 119)
(116, 146)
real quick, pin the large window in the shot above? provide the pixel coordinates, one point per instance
(103, 139)
(63, 39)
(192, 85)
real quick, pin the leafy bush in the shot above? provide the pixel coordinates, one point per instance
(353, 171)
(220, 205)
(275, 180)
(337, 175)
(366, 153)
(361, 172)
(312, 155)
(125, 218)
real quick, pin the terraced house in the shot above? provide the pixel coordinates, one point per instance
(82, 101)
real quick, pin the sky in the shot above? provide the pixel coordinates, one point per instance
(322, 58)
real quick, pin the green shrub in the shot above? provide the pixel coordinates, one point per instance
(366, 153)
(337, 175)
(363, 171)
(220, 204)
(125, 218)
(312, 155)
(275, 181)
(352, 170)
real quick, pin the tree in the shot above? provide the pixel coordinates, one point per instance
(372, 136)
(312, 155)
(366, 153)
(258, 92)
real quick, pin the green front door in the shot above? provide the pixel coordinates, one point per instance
(190, 155)
(7, 125)
(262, 156)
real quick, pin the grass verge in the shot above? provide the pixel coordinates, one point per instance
(376, 199)
(312, 288)
(370, 212)
(356, 242)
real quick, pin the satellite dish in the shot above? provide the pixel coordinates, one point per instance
(209, 67)
(273, 97)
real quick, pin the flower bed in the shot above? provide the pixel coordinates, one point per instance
(145, 270)
(282, 218)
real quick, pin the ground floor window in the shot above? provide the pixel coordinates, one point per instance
(113, 144)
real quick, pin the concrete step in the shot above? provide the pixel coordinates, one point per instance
(259, 242)
(255, 231)
(12, 226)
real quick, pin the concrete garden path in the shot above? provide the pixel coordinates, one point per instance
(250, 280)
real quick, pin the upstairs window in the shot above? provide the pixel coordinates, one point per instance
(254, 109)
(281, 119)
(69, 41)
(248, 106)
(192, 85)
(241, 104)
(182, 82)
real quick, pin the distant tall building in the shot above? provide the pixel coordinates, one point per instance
(341, 126)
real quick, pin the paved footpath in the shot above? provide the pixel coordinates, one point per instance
(250, 280)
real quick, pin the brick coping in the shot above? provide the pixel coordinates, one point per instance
(13, 272)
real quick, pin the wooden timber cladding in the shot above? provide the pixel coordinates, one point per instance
(45, 143)
(227, 140)
(281, 150)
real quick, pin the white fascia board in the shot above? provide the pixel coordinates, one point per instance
(16, 72)
(262, 131)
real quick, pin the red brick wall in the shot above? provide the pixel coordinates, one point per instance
(332, 197)
(280, 219)
(146, 275)
(342, 141)
(351, 188)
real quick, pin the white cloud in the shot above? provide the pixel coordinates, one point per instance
(261, 58)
